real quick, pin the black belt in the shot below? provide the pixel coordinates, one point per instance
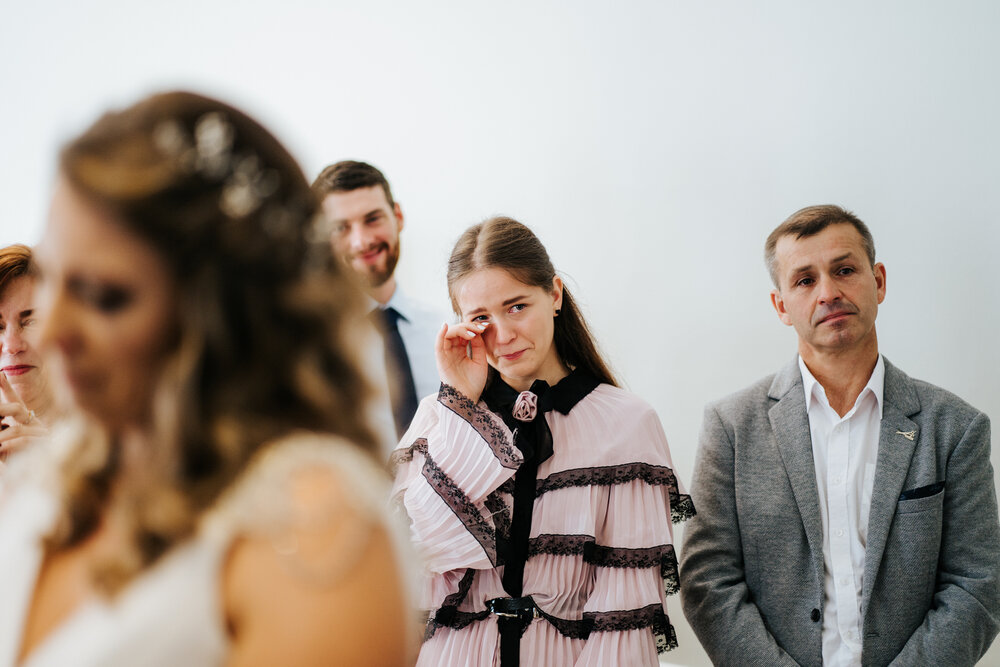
(513, 616)
(520, 608)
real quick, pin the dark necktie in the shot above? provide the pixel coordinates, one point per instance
(402, 391)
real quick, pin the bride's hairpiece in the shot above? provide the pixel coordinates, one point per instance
(246, 182)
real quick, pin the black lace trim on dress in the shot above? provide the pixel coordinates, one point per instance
(669, 572)
(500, 512)
(626, 557)
(681, 507)
(485, 424)
(448, 614)
(573, 629)
(650, 616)
(464, 509)
(665, 636)
(662, 556)
(604, 556)
(464, 586)
(560, 545)
(455, 621)
(401, 456)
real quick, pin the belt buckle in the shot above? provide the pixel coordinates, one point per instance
(491, 605)
(519, 613)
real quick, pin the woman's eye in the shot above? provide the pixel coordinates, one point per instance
(112, 299)
(105, 298)
(517, 308)
(481, 318)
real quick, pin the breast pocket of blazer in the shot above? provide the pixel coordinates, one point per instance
(917, 534)
(921, 498)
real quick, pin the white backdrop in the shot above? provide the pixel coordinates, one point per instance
(651, 145)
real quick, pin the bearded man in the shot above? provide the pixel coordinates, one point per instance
(366, 222)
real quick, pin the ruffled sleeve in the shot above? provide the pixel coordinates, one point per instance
(635, 563)
(449, 466)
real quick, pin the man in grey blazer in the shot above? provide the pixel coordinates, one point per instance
(846, 512)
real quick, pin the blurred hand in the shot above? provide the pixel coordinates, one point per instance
(461, 357)
(20, 427)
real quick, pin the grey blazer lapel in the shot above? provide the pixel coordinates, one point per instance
(790, 425)
(898, 437)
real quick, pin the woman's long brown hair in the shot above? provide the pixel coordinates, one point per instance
(267, 321)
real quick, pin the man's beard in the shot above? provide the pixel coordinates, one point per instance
(377, 278)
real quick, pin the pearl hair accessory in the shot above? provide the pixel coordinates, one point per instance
(246, 183)
(249, 189)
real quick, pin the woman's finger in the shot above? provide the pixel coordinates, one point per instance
(8, 434)
(19, 411)
(439, 340)
(466, 330)
(445, 351)
(14, 445)
(446, 343)
(7, 390)
(475, 348)
(20, 436)
(478, 339)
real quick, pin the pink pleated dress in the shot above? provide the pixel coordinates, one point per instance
(600, 557)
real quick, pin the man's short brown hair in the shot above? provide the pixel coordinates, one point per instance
(810, 221)
(349, 175)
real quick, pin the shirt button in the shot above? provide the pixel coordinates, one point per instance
(843, 582)
(814, 615)
(840, 533)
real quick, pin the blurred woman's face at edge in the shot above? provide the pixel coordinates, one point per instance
(106, 309)
(19, 358)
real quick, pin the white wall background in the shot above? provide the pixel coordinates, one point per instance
(651, 145)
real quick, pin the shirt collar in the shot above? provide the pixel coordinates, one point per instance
(814, 390)
(398, 302)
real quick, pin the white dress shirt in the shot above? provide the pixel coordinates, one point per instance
(845, 450)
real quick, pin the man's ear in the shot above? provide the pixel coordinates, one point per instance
(879, 271)
(779, 307)
(398, 212)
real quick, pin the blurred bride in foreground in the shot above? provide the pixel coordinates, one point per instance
(215, 501)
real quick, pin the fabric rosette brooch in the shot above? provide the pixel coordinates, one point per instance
(525, 407)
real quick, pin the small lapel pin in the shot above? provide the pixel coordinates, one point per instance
(909, 435)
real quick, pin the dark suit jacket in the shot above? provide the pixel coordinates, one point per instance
(752, 562)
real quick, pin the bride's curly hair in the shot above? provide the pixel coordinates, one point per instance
(268, 321)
